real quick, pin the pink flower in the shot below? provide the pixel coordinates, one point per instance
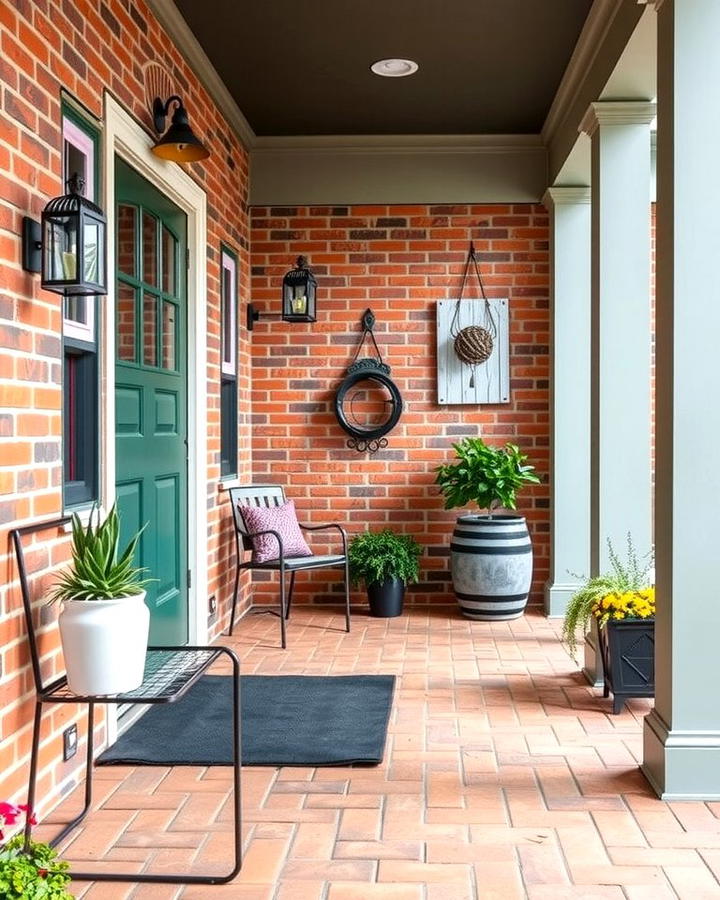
(30, 815)
(9, 813)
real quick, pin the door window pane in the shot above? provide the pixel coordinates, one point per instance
(228, 336)
(76, 310)
(149, 249)
(80, 460)
(78, 155)
(168, 261)
(127, 226)
(228, 312)
(126, 323)
(149, 329)
(80, 409)
(169, 335)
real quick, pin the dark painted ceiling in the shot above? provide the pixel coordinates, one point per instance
(302, 68)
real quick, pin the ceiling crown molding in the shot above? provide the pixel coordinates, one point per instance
(169, 16)
(598, 23)
(401, 143)
(616, 112)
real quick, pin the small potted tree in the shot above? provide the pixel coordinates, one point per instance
(490, 553)
(104, 622)
(386, 562)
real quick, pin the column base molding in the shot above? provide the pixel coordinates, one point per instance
(557, 597)
(680, 765)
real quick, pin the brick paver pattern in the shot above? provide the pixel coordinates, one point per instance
(505, 776)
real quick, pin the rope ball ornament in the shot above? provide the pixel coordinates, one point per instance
(474, 345)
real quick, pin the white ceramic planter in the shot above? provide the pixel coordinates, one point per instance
(491, 561)
(104, 644)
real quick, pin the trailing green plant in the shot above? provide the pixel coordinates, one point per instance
(488, 476)
(98, 570)
(34, 873)
(377, 556)
(625, 576)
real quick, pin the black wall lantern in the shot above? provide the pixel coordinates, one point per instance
(298, 297)
(179, 143)
(69, 245)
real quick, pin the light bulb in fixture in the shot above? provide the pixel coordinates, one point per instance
(394, 68)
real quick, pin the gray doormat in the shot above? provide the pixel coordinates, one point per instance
(287, 720)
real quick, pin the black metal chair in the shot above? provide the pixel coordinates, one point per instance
(169, 673)
(267, 495)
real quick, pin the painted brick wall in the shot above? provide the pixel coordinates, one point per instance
(83, 47)
(398, 260)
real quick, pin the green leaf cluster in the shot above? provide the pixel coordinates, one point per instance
(98, 570)
(488, 476)
(377, 556)
(631, 574)
(36, 875)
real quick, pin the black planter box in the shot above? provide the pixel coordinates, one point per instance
(628, 654)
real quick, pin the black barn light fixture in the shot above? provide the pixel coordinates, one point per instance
(179, 143)
(299, 292)
(68, 245)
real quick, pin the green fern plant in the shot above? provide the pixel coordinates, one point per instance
(488, 476)
(629, 575)
(377, 556)
(98, 570)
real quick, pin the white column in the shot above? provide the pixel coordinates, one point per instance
(569, 209)
(682, 734)
(620, 461)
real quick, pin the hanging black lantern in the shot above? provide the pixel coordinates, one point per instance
(299, 291)
(74, 244)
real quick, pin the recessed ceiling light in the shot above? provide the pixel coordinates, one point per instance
(394, 68)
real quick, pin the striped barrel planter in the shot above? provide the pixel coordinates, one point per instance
(491, 561)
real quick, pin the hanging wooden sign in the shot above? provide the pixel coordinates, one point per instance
(462, 377)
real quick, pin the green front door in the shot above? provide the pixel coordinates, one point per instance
(151, 393)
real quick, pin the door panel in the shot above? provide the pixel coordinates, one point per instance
(130, 506)
(151, 394)
(168, 569)
(166, 413)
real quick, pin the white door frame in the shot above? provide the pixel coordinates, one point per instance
(126, 138)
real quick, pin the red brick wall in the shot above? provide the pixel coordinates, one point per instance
(398, 260)
(83, 47)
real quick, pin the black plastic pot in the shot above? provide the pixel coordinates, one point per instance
(386, 598)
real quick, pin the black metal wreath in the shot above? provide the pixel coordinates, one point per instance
(375, 372)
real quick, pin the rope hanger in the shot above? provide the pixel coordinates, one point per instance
(473, 344)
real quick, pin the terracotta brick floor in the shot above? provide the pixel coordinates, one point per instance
(505, 776)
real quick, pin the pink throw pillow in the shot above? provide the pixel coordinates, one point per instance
(282, 519)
